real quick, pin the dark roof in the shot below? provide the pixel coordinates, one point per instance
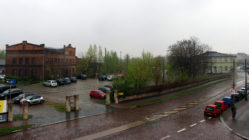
(2, 62)
(217, 54)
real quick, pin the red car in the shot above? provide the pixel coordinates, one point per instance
(109, 86)
(97, 94)
(222, 105)
(212, 110)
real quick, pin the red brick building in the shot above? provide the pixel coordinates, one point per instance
(39, 62)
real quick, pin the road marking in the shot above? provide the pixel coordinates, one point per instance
(194, 103)
(163, 138)
(179, 131)
(202, 121)
(179, 109)
(192, 125)
(111, 131)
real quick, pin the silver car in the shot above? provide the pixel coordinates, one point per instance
(50, 83)
(33, 99)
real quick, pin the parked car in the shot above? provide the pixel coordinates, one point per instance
(104, 89)
(60, 82)
(236, 97)
(5, 87)
(33, 99)
(2, 77)
(242, 93)
(109, 86)
(82, 76)
(221, 104)
(97, 94)
(212, 110)
(10, 93)
(243, 89)
(67, 80)
(111, 77)
(102, 77)
(228, 100)
(18, 98)
(50, 83)
(73, 79)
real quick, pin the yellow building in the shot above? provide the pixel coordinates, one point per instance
(219, 62)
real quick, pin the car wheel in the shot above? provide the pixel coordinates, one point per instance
(29, 104)
(42, 101)
(91, 96)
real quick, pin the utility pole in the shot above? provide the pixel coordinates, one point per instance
(245, 80)
(163, 70)
(233, 73)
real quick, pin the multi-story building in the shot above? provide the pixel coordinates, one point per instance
(39, 62)
(219, 62)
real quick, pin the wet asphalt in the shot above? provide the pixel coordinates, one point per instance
(183, 124)
(45, 114)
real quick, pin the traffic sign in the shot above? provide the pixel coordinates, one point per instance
(13, 81)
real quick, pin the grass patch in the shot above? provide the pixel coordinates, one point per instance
(37, 84)
(9, 130)
(19, 117)
(58, 106)
(103, 102)
(176, 95)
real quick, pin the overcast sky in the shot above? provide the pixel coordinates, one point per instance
(130, 26)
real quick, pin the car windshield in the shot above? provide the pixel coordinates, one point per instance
(209, 108)
(218, 104)
(226, 99)
(29, 97)
(100, 92)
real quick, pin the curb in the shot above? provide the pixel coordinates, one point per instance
(230, 129)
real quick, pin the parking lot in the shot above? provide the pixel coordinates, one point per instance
(46, 113)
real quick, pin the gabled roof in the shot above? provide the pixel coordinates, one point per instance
(217, 54)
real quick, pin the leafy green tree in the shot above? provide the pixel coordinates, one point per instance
(2, 54)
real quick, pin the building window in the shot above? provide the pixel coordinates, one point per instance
(14, 72)
(32, 73)
(33, 60)
(225, 59)
(20, 72)
(226, 68)
(14, 61)
(27, 60)
(26, 72)
(20, 61)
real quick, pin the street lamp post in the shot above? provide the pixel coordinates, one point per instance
(245, 80)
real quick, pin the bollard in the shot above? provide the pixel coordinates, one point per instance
(10, 111)
(116, 96)
(76, 102)
(25, 110)
(108, 101)
(68, 107)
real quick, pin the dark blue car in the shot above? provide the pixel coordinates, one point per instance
(228, 100)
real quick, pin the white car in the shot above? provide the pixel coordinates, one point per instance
(33, 99)
(50, 83)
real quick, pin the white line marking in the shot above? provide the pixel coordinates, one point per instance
(202, 121)
(192, 125)
(163, 138)
(179, 131)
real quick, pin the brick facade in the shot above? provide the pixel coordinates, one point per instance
(39, 62)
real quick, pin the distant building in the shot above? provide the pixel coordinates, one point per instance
(39, 62)
(219, 62)
(2, 66)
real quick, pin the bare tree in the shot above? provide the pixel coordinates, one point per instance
(186, 57)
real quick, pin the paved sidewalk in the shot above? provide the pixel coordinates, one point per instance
(240, 125)
(14, 124)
